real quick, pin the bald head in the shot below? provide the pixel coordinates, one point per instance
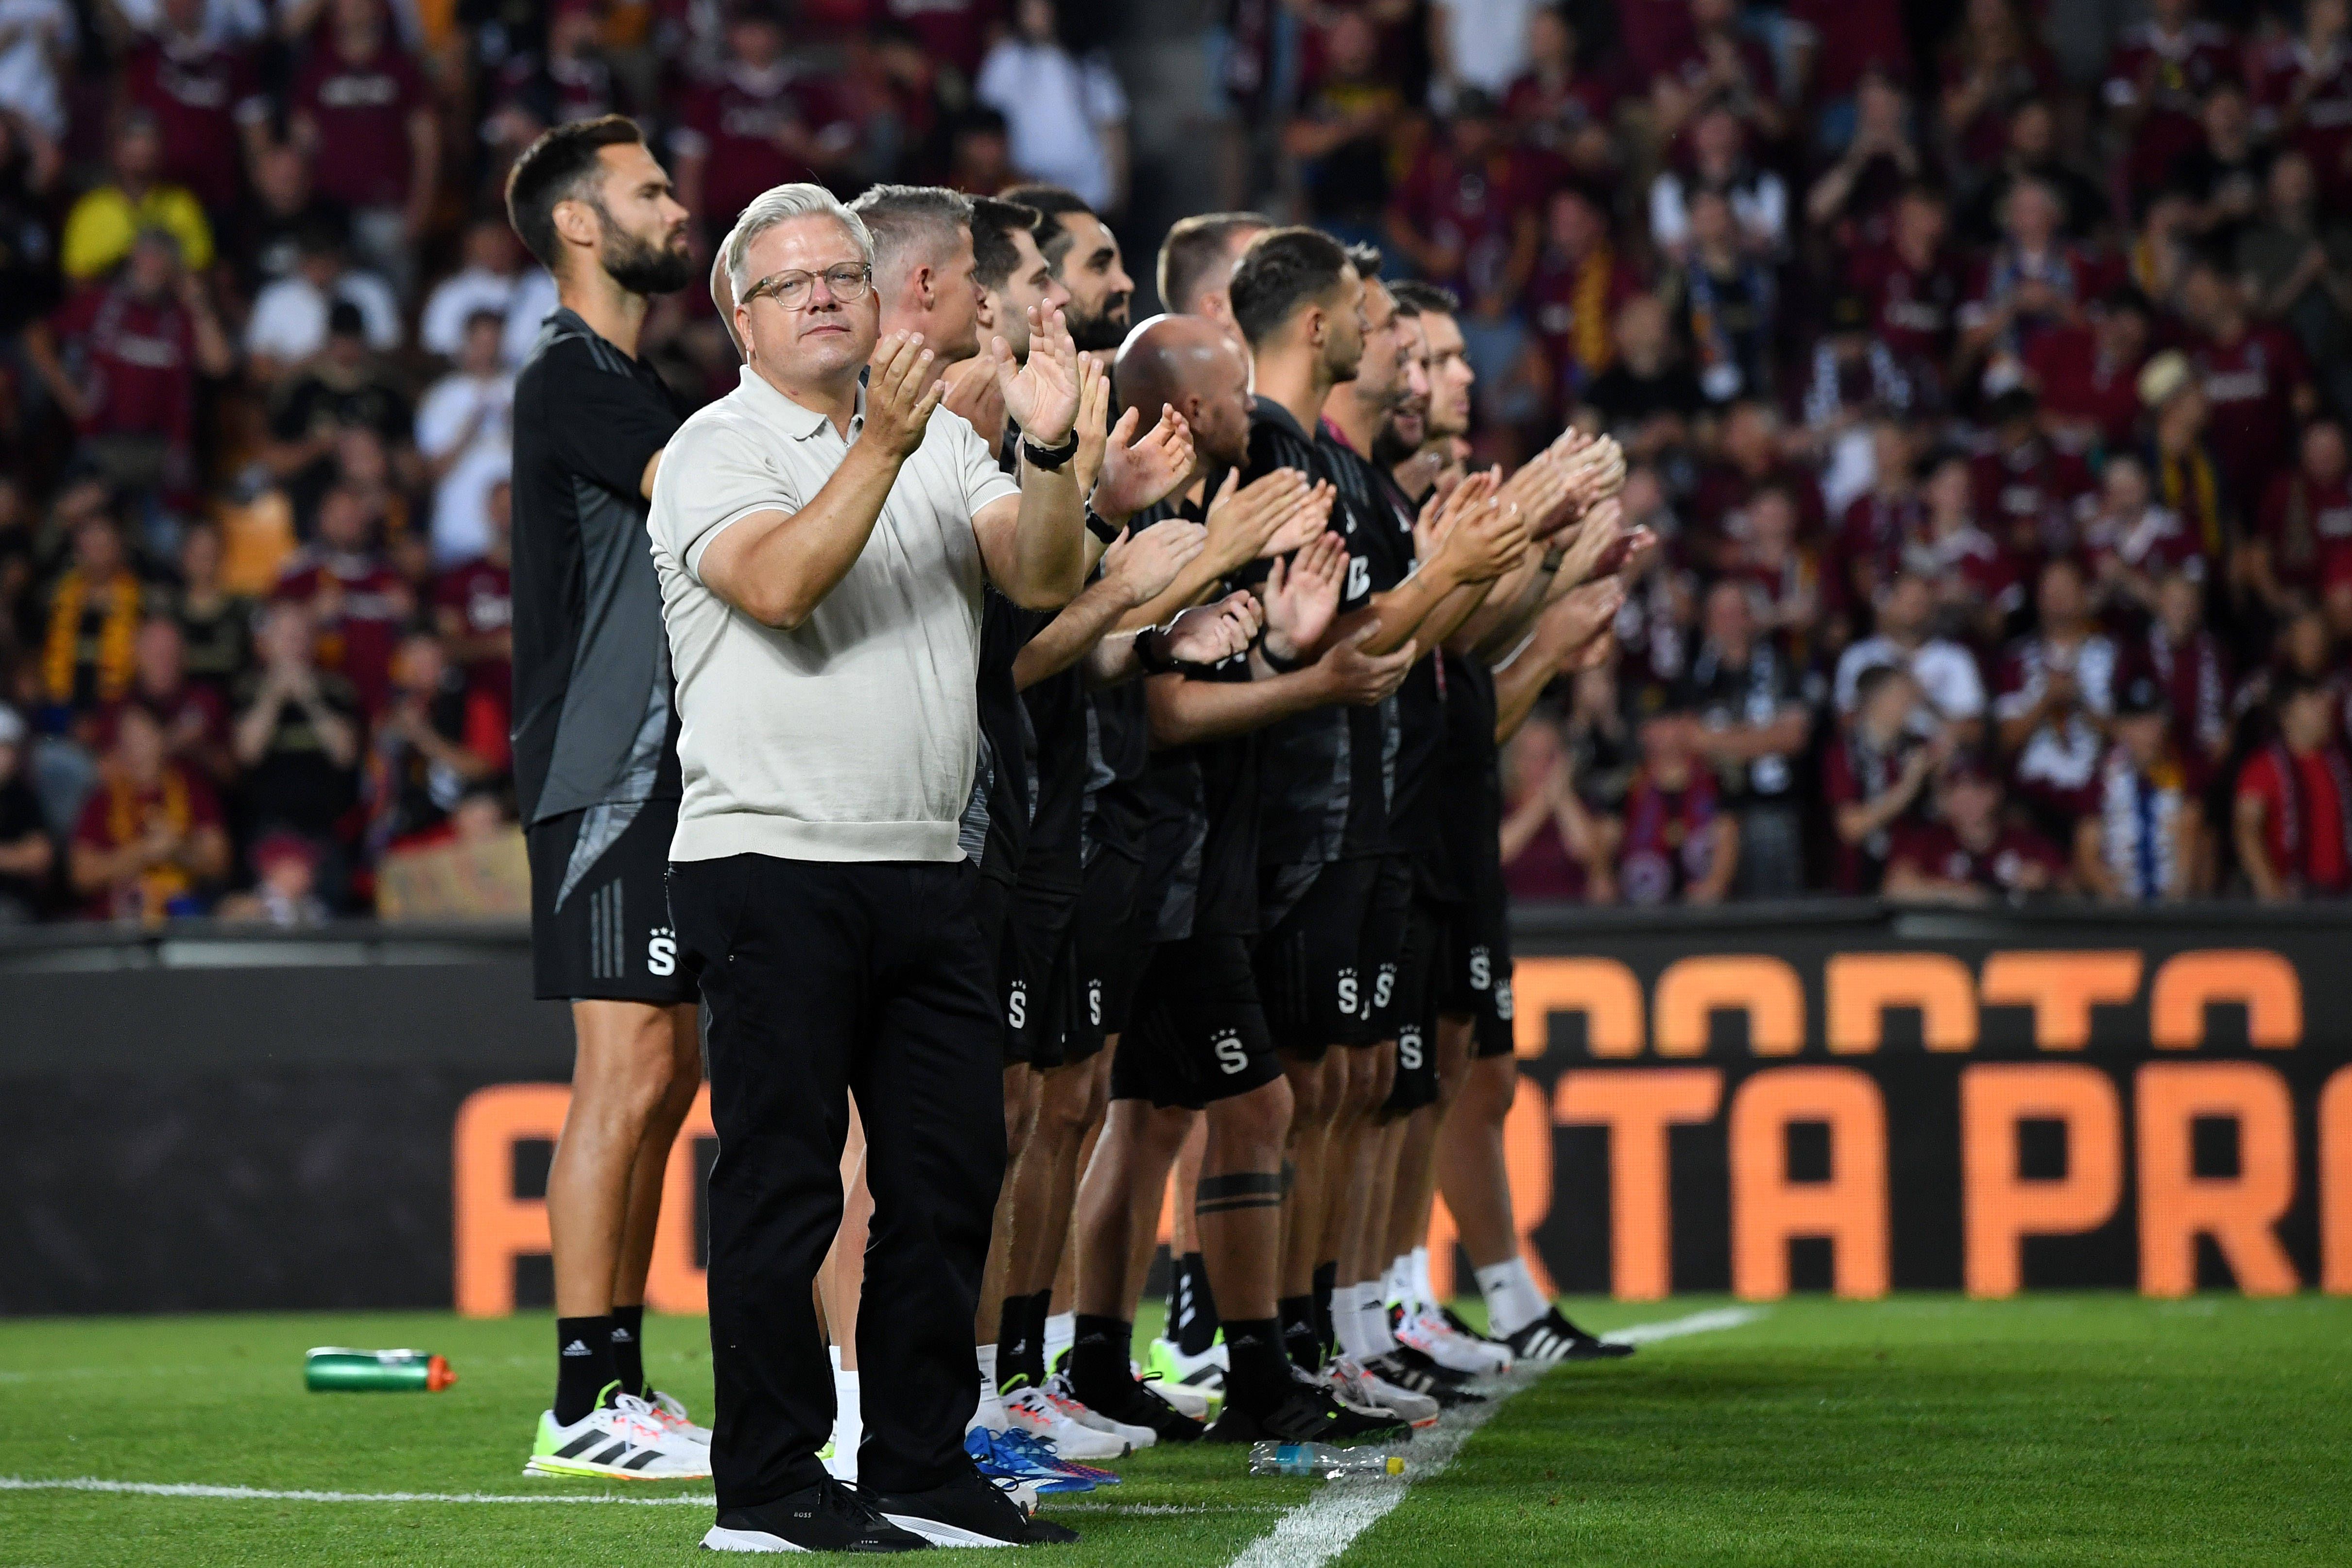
(1187, 364)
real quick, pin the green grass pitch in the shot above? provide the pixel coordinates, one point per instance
(1919, 1430)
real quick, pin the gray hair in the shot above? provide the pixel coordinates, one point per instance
(910, 222)
(781, 204)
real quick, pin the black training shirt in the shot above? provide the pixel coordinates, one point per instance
(595, 722)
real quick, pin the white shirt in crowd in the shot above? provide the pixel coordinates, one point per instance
(1055, 108)
(1488, 41)
(473, 416)
(853, 737)
(525, 300)
(289, 316)
(1946, 671)
(1759, 205)
(40, 34)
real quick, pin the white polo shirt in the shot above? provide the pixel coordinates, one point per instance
(854, 737)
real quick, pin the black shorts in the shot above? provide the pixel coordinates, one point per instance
(993, 905)
(1113, 936)
(1037, 975)
(1426, 934)
(600, 925)
(1197, 1034)
(1476, 981)
(1328, 968)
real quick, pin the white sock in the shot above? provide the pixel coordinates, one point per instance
(1512, 1300)
(1372, 1315)
(1424, 1295)
(847, 1428)
(990, 1411)
(1396, 1285)
(1348, 1321)
(1061, 1331)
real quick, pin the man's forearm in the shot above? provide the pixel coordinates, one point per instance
(1049, 540)
(1065, 639)
(1398, 614)
(1510, 606)
(1197, 580)
(1517, 684)
(1456, 608)
(1184, 710)
(782, 570)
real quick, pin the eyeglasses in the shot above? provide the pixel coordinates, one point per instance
(846, 282)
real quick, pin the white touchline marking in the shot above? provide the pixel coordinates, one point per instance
(1325, 1524)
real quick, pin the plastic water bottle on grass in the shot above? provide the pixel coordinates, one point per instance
(332, 1369)
(1321, 1459)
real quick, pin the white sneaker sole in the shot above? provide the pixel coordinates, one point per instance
(720, 1539)
(581, 1470)
(940, 1534)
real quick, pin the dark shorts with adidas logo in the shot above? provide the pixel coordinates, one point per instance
(600, 926)
(1197, 1034)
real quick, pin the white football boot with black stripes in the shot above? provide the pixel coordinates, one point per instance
(623, 1439)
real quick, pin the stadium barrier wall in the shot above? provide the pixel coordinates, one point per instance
(1838, 1097)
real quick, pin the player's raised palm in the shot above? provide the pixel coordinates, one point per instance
(1043, 395)
(1139, 474)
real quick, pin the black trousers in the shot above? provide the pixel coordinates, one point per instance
(821, 978)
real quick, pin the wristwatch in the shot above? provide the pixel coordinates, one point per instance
(1151, 651)
(1050, 459)
(1102, 528)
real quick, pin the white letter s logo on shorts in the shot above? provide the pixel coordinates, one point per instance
(1482, 969)
(1348, 992)
(1016, 1006)
(1232, 1055)
(1094, 1002)
(1409, 1048)
(661, 951)
(1503, 1000)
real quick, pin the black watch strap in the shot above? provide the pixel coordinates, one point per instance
(1101, 527)
(1050, 459)
(1151, 651)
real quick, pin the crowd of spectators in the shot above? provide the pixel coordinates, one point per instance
(1991, 407)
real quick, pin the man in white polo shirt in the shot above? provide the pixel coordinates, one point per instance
(821, 542)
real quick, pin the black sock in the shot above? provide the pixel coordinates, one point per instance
(629, 1350)
(583, 1365)
(1041, 1307)
(1327, 1280)
(1098, 1358)
(1299, 1337)
(1198, 1330)
(1013, 1339)
(1257, 1377)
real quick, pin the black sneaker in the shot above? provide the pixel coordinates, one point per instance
(1307, 1413)
(826, 1517)
(1425, 1370)
(1552, 1338)
(1393, 1368)
(970, 1511)
(1134, 1404)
